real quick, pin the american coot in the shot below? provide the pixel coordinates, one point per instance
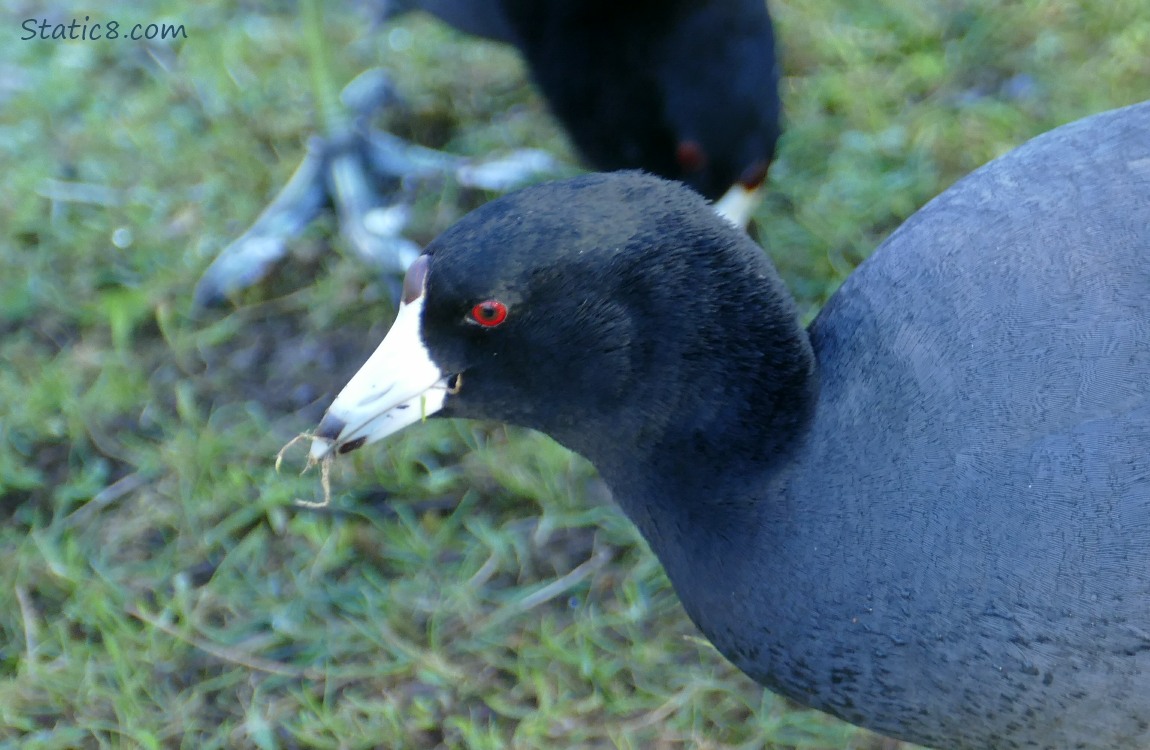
(687, 89)
(928, 514)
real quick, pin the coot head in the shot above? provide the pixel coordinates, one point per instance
(686, 89)
(635, 329)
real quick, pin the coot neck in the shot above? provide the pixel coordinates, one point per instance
(727, 403)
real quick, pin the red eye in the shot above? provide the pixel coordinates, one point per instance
(691, 156)
(489, 313)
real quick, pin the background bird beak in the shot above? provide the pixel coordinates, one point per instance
(738, 203)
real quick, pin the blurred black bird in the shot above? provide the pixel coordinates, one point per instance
(685, 89)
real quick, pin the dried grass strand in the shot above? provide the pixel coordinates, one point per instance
(324, 470)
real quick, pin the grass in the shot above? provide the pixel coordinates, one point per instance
(471, 586)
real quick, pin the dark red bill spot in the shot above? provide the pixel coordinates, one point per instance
(691, 156)
(415, 278)
(351, 445)
(489, 313)
(754, 175)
